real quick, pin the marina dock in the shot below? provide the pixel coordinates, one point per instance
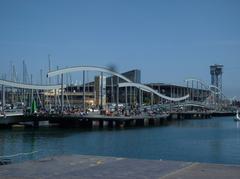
(100, 121)
(81, 166)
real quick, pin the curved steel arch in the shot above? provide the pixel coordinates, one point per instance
(146, 88)
(215, 87)
(28, 86)
(208, 87)
(200, 81)
(219, 90)
(86, 68)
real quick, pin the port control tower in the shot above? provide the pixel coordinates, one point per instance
(216, 72)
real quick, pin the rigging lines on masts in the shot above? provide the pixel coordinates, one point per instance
(49, 68)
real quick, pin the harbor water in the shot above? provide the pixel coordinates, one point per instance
(215, 140)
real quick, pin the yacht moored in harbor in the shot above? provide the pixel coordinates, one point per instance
(237, 118)
(11, 113)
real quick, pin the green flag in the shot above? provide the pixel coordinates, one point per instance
(34, 107)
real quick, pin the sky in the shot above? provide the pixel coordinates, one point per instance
(168, 40)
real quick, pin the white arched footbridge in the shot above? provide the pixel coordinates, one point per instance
(86, 68)
(29, 86)
(148, 89)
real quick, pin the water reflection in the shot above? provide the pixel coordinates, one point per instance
(198, 123)
(238, 124)
(211, 140)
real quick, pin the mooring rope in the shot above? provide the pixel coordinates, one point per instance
(18, 154)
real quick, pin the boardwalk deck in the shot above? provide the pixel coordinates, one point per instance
(80, 166)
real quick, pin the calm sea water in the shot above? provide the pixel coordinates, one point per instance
(214, 140)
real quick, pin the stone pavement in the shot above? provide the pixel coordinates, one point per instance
(82, 166)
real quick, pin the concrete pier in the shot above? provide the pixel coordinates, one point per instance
(80, 166)
(193, 115)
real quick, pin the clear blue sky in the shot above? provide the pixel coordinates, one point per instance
(168, 40)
